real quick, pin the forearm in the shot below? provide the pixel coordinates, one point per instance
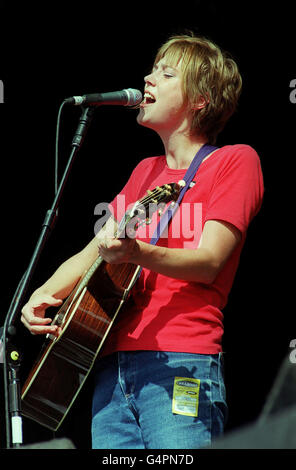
(196, 265)
(59, 286)
(62, 282)
(201, 264)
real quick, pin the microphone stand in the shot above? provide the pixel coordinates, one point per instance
(10, 353)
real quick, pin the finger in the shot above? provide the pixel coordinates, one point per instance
(37, 311)
(113, 244)
(43, 330)
(34, 313)
(50, 301)
(38, 328)
(31, 320)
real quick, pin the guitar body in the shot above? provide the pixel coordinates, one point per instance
(86, 318)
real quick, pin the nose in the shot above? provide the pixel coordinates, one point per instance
(150, 79)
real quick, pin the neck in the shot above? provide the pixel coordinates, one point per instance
(180, 149)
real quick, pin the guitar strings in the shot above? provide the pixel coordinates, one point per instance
(154, 193)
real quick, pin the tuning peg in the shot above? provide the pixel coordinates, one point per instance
(146, 221)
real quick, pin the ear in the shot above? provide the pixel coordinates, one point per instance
(201, 102)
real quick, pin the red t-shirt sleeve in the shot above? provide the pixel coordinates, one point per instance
(237, 193)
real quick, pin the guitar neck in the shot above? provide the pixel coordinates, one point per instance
(90, 271)
(164, 193)
(88, 275)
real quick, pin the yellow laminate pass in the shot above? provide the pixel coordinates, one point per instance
(186, 396)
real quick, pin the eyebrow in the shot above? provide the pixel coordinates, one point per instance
(164, 66)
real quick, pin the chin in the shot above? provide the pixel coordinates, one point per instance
(141, 119)
(145, 121)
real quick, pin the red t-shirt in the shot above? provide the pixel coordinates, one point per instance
(166, 314)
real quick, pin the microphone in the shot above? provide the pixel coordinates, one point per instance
(127, 97)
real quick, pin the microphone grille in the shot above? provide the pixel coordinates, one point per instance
(134, 97)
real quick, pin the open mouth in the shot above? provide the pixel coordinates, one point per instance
(148, 98)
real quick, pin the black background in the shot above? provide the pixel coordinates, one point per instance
(49, 52)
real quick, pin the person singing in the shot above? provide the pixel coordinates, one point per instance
(159, 380)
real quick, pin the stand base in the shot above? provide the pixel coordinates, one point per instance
(62, 443)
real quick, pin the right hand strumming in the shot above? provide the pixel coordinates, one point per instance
(33, 314)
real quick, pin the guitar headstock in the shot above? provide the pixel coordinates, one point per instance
(142, 211)
(156, 199)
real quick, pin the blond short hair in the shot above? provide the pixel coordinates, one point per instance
(208, 72)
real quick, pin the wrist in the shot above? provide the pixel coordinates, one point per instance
(143, 254)
(134, 257)
(41, 292)
(37, 292)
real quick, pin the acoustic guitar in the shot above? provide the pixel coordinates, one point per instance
(85, 318)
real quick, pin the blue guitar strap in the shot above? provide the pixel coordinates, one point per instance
(203, 152)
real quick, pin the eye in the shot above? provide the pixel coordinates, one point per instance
(168, 75)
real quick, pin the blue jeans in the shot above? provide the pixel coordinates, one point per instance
(132, 403)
